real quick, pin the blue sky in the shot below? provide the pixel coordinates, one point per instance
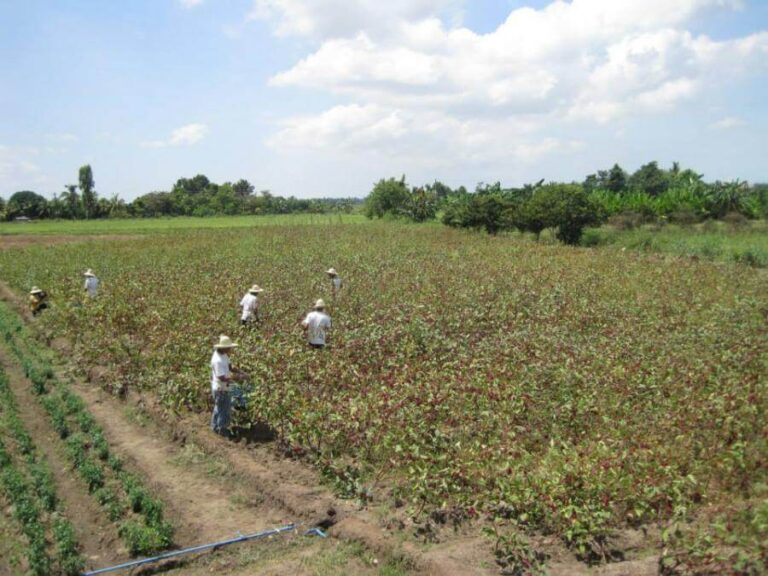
(324, 97)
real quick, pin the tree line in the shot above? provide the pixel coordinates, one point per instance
(196, 196)
(649, 194)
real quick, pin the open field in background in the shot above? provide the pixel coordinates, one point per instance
(147, 225)
(562, 391)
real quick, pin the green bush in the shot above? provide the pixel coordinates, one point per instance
(565, 207)
(143, 539)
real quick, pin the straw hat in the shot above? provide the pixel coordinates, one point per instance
(255, 289)
(89, 272)
(319, 304)
(224, 343)
(332, 272)
(35, 290)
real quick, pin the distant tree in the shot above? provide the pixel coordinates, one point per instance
(71, 200)
(456, 209)
(423, 205)
(388, 197)
(725, 197)
(2, 208)
(116, 208)
(90, 206)
(26, 203)
(242, 189)
(650, 179)
(617, 179)
(440, 190)
(152, 205)
(56, 207)
(565, 207)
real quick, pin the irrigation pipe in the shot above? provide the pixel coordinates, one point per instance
(193, 549)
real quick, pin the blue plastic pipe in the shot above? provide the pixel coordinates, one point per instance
(175, 553)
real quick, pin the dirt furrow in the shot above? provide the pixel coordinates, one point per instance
(95, 533)
(202, 503)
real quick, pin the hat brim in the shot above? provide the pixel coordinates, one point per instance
(220, 347)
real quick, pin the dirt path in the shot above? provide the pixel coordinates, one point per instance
(96, 534)
(201, 500)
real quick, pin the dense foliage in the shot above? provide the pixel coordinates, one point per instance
(568, 209)
(196, 196)
(573, 391)
(396, 199)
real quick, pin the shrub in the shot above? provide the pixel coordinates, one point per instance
(143, 539)
(736, 220)
(684, 217)
(626, 220)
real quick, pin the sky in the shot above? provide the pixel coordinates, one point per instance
(322, 98)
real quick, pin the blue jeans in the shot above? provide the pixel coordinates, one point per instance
(222, 412)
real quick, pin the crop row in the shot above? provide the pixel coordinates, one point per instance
(122, 494)
(28, 484)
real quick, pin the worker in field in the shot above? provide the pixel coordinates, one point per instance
(316, 324)
(250, 305)
(335, 282)
(222, 376)
(91, 285)
(38, 300)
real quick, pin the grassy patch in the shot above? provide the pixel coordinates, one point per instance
(746, 244)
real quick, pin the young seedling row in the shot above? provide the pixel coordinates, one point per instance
(28, 485)
(122, 494)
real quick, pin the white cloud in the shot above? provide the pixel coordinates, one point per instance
(19, 169)
(184, 136)
(398, 68)
(338, 18)
(423, 137)
(190, 3)
(728, 123)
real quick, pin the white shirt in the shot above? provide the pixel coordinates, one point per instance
(336, 282)
(317, 323)
(250, 303)
(91, 285)
(219, 368)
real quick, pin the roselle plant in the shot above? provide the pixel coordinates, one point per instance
(575, 391)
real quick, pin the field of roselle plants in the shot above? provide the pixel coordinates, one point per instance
(569, 391)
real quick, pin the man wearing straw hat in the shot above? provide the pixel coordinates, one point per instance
(37, 300)
(221, 377)
(91, 283)
(316, 324)
(250, 305)
(335, 281)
